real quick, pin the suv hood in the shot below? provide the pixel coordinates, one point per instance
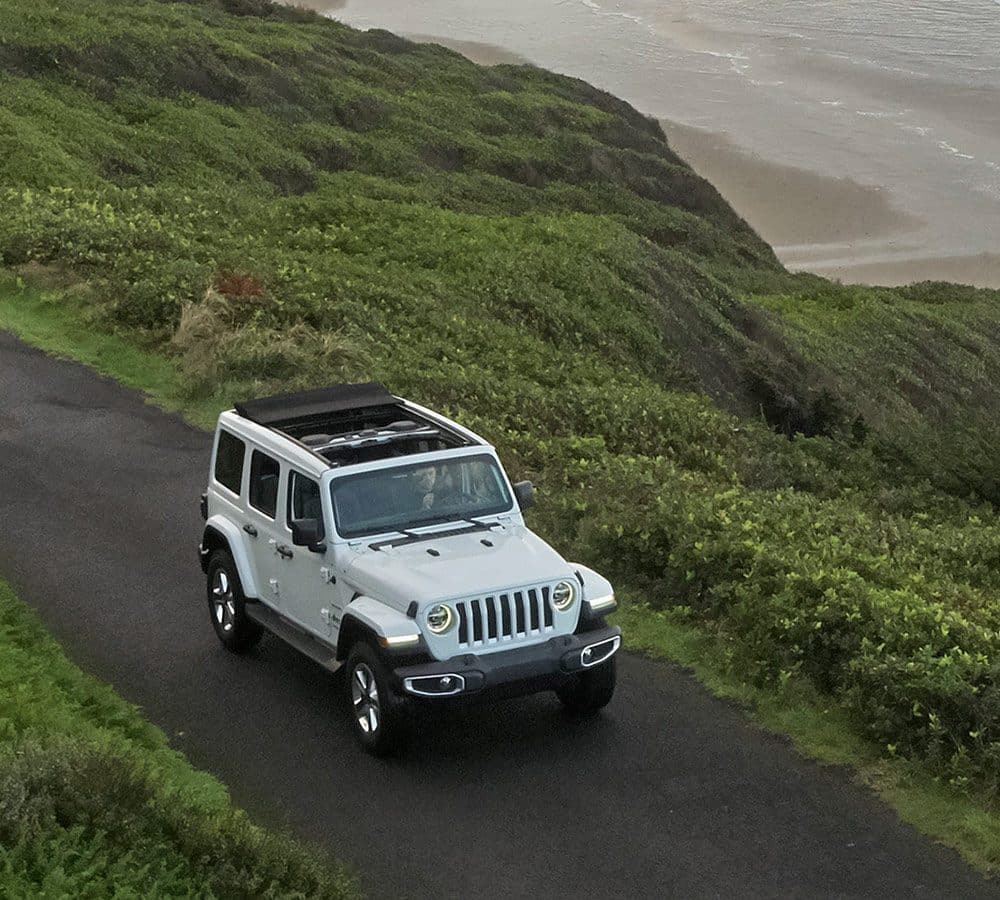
(464, 566)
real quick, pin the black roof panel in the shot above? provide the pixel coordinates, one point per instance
(284, 408)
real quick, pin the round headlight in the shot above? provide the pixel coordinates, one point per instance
(563, 595)
(440, 618)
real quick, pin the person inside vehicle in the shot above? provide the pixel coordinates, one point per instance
(432, 487)
(423, 482)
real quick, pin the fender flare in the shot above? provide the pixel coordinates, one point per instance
(379, 620)
(219, 528)
(595, 586)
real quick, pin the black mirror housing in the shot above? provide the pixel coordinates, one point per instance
(524, 493)
(306, 533)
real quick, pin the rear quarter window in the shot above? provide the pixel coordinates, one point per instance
(229, 461)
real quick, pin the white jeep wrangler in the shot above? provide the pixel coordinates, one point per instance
(375, 535)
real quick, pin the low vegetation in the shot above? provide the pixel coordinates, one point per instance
(94, 803)
(806, 471)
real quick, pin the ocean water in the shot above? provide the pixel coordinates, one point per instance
(901, 96)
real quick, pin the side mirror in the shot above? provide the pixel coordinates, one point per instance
(306, 533)
(524, 493)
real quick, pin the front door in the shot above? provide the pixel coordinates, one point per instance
(308, 582)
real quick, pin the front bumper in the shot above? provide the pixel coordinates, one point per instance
(509, 672)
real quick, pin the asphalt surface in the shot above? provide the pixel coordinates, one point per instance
(670, 794)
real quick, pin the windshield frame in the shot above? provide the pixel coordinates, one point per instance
(418, 460)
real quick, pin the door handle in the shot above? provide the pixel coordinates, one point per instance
(250, 529)
(284, 551)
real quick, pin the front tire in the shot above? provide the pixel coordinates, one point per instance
(591, 690)
(378, 719)
(236, 631)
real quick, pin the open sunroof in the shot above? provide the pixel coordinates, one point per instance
(283, 409)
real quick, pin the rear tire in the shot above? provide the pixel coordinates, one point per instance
(379, 719)
(591, 690)
(236, 631)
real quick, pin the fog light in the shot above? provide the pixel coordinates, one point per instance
(435, 685)
(595, 654)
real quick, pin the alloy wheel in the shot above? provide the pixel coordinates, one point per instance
(364, 695)
(223, 601)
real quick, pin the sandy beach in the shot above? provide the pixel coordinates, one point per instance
(982, 270)
(789, 206)
(323, 6)
(478, 51)
(857, 213)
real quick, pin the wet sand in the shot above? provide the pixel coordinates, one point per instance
(982, 270)
(321, 6)
(786, 205)
(479, 52)
(833, 227)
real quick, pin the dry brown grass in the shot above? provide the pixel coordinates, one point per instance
(215, 349)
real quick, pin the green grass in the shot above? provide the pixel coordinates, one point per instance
(271, 200)
(94, 803)
(917, 362)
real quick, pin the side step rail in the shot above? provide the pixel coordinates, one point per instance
(323, 653)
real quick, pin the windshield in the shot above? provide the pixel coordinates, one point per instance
(418, 494)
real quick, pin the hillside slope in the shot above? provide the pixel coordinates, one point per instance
(274, 199)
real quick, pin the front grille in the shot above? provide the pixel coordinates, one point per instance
(504, 618)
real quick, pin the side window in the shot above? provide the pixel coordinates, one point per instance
(303, 500)
(229, 461)
(264, 473)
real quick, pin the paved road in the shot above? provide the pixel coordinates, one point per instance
(670, 794)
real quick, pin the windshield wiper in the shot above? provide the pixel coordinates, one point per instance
(413, 536)
(440, 520)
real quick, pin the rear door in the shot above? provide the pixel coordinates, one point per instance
(267, 541)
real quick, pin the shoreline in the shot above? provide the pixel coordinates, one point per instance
(858, 237)
(781, 201)
(479, 52)
(980, 270)
(320, 6)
